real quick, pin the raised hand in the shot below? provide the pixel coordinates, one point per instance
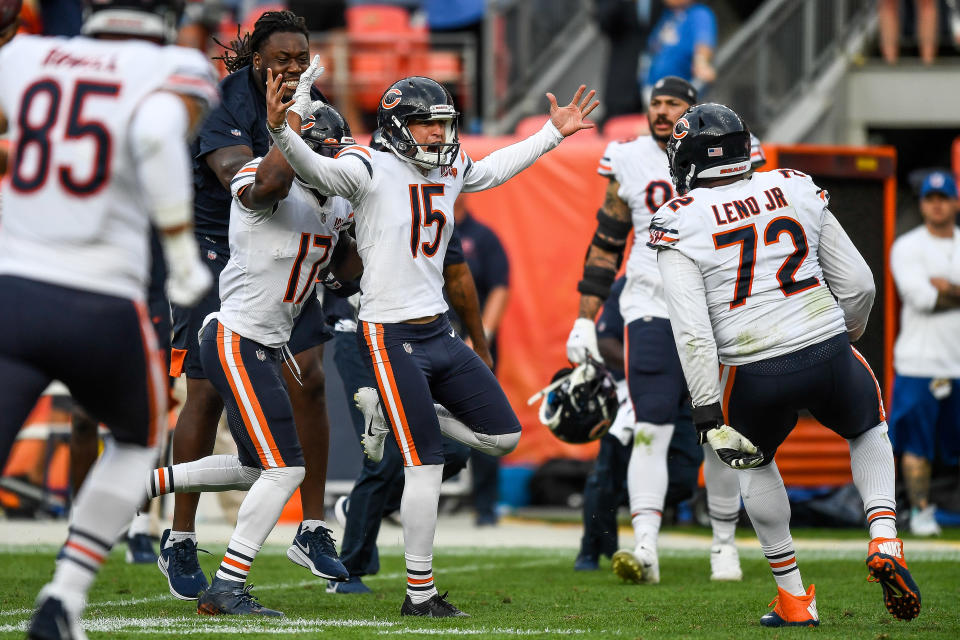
(276, 107)
(570, 118)
(303, 102)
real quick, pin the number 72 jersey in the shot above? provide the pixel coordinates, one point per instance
(756, 243)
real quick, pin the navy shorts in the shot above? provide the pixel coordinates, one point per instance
(830, 379)
(247, 376)
(101, 347)
(309, 331)
(922, 424)
(417, 364)
(655, 379)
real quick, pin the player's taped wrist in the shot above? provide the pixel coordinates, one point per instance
(180, 249)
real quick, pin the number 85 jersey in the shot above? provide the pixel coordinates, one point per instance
(74, 208)
(757, 244)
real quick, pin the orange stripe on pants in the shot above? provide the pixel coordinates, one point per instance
(883, 414)
(387, 384)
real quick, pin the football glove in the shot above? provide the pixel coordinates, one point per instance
(304, 104)
(583, 342)
(733, 448)
(188, 279)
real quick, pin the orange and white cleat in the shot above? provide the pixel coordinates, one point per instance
(887, 566)
(792, 611)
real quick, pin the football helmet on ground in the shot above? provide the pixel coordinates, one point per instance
(418, 99)
(148, 19)
(580, 404)
(709, 141)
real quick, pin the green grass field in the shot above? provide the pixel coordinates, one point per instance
(509, 593)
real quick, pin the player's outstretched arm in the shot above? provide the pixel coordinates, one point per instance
(503, 164)
(344, 176)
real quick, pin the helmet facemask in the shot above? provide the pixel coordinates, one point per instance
(400, 140)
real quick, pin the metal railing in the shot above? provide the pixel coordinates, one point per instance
(523, 39)
(782, 50)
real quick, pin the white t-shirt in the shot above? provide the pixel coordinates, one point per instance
(928, 345)
(75, 212)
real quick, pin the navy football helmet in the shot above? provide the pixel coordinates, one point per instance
(580, 405)
(709, 141)
(148, 19)
(412, 99)
(325, 131)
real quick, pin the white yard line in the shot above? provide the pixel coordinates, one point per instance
(127, 602)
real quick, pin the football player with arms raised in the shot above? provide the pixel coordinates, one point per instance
(92, 136)
(403, 199)
(758, 274)
(639, 184)
(230, 137)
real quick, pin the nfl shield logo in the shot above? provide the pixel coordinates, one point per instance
(211, 254)
(407, 347)
(236, 132)
(714, 152)
(261, 356)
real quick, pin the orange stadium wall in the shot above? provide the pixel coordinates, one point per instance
(545, 218)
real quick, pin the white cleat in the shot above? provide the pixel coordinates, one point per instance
(725, 563)
(638, 566)
(375, 428)
(923, 522)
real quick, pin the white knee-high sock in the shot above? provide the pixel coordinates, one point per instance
(212, 473)
(647, 480)
(766, 501)
(104, 507)
(723, 496)
(418, 511)
(257, 517)
(494, 445)
(871, 461)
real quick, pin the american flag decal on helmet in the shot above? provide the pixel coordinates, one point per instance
(715, 152)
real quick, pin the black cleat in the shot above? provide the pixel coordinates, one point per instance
(435, 607)
(224, 599)
(51, 621)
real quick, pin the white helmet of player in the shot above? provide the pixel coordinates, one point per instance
(147, 19)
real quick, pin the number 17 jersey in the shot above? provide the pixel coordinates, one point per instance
(756, 243)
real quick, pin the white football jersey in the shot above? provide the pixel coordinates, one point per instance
(756, 244)
(404, 218)
(641, 168)
(276, 256)
(74, 213)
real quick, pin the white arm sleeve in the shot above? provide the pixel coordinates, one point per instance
(687, 305)
(848, 275)
(158, 141)
(912, 280)
(503, 164)
(345, 176)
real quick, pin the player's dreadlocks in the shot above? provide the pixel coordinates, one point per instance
(245, 46)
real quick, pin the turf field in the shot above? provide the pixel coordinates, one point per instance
(509, 592)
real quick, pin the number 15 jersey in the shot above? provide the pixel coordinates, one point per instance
(756, 242)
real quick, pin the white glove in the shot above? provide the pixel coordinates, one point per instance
(583, 342)
(733, 448)
(188, 279)
(304, 104)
